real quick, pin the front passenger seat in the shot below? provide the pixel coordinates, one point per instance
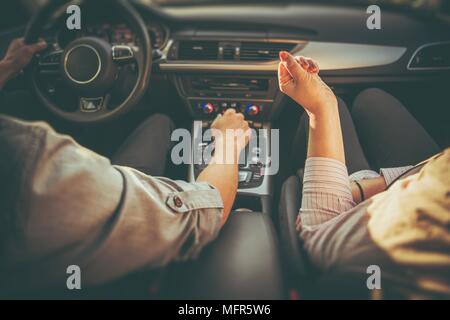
(308, 282)
(299, 270)
(337, 283)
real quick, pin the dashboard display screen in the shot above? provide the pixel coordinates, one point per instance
(116, 34)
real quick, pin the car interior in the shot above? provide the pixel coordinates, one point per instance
(194, 59)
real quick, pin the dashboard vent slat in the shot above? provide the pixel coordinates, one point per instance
(198, 50)
(263, 51)
(233, 51)
(432, 57)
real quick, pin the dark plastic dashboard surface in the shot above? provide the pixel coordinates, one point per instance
(305, 22)
(314, 22)
(319, 24)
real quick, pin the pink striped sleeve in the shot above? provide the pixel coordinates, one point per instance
(326, 191)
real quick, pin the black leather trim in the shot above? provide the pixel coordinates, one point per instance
(299, 271)
(242, 264)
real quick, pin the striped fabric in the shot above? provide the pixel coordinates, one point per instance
(327, 192)
(364, 174)
(391, 174)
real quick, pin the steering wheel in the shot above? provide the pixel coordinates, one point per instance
(90, 66)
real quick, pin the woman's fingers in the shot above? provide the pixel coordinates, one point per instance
(292, 66)
(284, 77)
(308, 64)
(313, 66)
(302, 62)
(294, 69)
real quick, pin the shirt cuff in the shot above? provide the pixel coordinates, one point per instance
(203, 197)
(364, 174)
(391, 174)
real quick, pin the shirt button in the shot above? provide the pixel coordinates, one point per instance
(177, 201)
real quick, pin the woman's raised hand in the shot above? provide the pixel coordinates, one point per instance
(298, 78)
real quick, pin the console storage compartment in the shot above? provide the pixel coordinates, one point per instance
(243, 263)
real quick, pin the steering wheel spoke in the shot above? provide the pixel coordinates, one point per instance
(123, 54)
(94, 105)
(50, 62)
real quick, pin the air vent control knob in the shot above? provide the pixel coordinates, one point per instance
(208, 108)
(253, 110)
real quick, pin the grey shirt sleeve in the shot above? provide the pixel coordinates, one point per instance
(75, 208)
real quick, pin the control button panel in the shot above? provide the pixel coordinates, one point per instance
(253, 110)
(245, 176)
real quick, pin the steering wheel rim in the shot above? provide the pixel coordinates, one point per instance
(143, 60)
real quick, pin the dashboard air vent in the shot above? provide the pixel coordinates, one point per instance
(263, 51)
(229, 52)
(198, 50)
(431, 56)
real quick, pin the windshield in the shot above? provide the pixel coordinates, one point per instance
(411, 4)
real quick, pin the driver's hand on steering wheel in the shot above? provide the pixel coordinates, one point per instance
(18, 57)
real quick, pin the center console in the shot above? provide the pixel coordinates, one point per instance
(206, 96)
(253, 164)
(209, 96)
(258, 98)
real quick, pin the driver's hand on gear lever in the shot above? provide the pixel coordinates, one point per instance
(18, 57)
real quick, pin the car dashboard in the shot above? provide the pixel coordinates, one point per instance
(243, 38)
